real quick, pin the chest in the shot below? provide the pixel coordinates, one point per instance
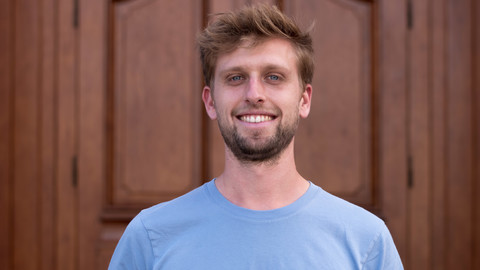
(238, 245)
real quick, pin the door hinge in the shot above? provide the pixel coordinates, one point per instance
(76, 14)
(74, 171)
(410, 172)
(409, 14)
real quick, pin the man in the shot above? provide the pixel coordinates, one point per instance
(260, 213)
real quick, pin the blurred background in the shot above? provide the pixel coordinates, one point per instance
(101, 116)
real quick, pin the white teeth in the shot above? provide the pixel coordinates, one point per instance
(255, 119)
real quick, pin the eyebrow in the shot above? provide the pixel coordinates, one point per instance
(232, 70)
(266, 67)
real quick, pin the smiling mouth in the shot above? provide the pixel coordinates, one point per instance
(256, 118)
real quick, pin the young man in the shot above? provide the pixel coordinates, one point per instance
(260, 213)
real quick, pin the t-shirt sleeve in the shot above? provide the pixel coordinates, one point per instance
(134, 250)
(383, 253)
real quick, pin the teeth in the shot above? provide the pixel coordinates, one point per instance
(256, 118)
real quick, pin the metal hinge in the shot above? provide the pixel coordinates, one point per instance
(74, 171)
(409, 14)
(76, 14)
(410, 172)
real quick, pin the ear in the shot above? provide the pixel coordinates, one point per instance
(209, 103)
(306, 101)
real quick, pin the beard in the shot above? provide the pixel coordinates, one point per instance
(254, 149)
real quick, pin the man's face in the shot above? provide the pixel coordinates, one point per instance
(257, 98)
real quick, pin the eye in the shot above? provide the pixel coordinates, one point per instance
(274, 77)
(235, 78)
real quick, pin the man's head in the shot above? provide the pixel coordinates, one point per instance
(258, 67)
(253, 24)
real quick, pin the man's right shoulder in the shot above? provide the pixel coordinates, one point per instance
(185, 205)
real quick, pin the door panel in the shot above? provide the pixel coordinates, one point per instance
(334, 145)
(154, 101)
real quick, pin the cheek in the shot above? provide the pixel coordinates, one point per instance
(227, 103)
(290, 111)
(222, 111)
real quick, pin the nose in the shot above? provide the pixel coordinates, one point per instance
(255, 92)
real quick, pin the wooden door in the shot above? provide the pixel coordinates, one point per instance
(144, 139)
(75, 85)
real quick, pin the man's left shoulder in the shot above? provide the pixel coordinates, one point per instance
(365, 234)
(349, 215)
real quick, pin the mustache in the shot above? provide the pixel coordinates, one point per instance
(246, 108)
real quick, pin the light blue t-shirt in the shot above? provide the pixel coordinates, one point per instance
(203, 230)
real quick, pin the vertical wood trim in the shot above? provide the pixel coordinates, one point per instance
(392, 118)
(47, 134)
(92, 147)
(66, 195)
(26, 142)
(26, 233)
(459, 136)
(419, 147)
(6, 114)
(438, 137)
(476, 127)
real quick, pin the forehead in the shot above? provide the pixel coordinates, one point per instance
(274, 52)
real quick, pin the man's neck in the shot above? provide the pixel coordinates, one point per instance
(262, 186)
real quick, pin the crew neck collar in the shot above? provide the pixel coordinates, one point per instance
(260, 215)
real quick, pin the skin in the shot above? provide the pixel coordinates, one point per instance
(259, 81)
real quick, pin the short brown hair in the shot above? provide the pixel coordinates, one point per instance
(255, 23)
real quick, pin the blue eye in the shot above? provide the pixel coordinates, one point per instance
(274, 77)
(236, 78)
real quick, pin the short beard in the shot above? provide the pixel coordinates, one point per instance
(268, 152)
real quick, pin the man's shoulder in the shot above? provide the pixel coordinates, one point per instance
(364, 233)
(346, 214)
(183, 206)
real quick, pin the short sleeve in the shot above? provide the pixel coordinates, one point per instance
(134, 250)
(383, 254)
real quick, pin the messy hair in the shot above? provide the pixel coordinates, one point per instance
(255, 24)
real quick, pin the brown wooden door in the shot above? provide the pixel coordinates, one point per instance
(82, 81)
(144, 139)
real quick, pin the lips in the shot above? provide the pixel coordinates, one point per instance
(256, 115)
